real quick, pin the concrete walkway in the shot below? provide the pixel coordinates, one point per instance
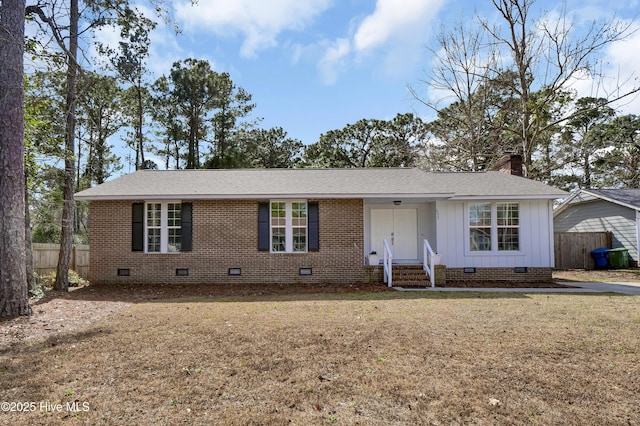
(624, 288)
(580, 287)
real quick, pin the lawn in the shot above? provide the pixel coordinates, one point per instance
(344, 358)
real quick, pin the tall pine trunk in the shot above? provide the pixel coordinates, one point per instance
(29, 265)
(14, 298)
(66, 237)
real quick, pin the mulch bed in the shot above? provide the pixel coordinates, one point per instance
(504, 284)
(143, 292)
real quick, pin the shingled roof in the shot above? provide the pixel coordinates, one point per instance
(626, 197)
(316, 183)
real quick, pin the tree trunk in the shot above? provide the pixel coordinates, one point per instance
(66, 237)
(140, 124)
(14, 298)
(31, 275)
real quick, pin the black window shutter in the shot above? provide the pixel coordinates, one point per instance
(186, 222)
(313, 227)
(137, 227)
(263, 226)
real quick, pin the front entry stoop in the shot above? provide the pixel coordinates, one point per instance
(410, 276)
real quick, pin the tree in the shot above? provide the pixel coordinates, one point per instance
(44, 139)
(129, 63)
(68, 212)
(368, 143)
(463, 136)
(197, 105)
(272, 149)
(545, 53)
(166, 115)
(469, 134)
(66, 35)
(13, 281)
(398, 140)
(618, 166)
(100, 115)
(581, 142)
(233, 103)
(192, 87)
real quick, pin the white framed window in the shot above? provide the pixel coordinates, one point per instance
(480, 227)
(508, 226)
(494, 226)
(288, 226)
(163, 227)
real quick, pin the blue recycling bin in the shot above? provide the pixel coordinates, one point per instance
(600, 257)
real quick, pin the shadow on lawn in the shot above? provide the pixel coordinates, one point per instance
(54, 341)
(145, 293)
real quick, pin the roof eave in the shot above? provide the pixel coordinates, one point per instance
(611, 200)
(507, 197)
(112, 197)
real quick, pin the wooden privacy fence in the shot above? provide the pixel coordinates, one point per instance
(573, 249)
(45, 258)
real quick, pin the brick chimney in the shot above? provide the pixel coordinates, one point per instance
(509, 163)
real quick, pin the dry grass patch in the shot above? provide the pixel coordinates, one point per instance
(598, 275)
(350, 358)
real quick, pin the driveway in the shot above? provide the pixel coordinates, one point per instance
(580, 287)
(624, 288)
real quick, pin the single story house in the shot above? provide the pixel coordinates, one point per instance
(597, 210)
(316, 225)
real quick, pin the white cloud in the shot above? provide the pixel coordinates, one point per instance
(623, 70)
(333, 60)
(401, 20)
(259, 22)
(392, 37)
(621, 75)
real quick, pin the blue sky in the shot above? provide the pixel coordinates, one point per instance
(317, 65)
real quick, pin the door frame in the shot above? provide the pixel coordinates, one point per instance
(421, 227)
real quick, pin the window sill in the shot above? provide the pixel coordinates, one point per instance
(470, 253)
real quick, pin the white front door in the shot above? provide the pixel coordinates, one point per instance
(400, 228)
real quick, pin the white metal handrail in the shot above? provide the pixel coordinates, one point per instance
(428, 263)
(387, 264)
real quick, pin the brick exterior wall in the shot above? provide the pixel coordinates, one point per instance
(225, 235)
(500, 274)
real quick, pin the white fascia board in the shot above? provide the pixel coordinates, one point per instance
(253, 196)
(565, 204)
(505, 197)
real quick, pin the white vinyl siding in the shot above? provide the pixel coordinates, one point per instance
(600, 215)
(535, 237)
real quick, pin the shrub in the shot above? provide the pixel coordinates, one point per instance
(75, 280)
